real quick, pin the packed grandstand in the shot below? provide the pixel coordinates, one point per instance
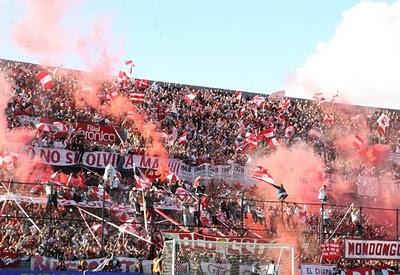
(188, 162)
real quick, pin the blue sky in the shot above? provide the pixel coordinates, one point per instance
(242, 45)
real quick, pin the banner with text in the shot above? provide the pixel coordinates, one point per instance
(226, 245)
(103, 134)
(311, 269)
(372, 249)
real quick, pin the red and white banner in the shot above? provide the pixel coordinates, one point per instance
(368, 271)
(99, 159)
(311, 269)
(103, 134)
(372, 249)
(168, 205)
(62, 157)
(52, 156)
(149, 162)
(46, 264)
(226, 245)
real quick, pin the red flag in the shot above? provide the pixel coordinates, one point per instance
(238, 95)
(383, 122)
(136, 96)
(249, 143)
(328, 119)
(266, 134)
(289, 131)
(182, 140)
(141, 83)
(122, 77)
(190, 97)
(330, 250)
(258, 100)
(261, 173)
(284, 105)
(130, 65)
(45, 79)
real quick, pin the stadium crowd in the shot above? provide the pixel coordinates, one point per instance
(217, 126)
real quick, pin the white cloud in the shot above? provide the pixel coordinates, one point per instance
(362, 59)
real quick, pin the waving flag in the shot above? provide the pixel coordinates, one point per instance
(136, 96)
(261, 173)
(289, 131)
(330, 250)
(266, 134)
(190, 97)
(258, 100)
(238, 95)
(130, 65)
(182, 140)
(141, 83)
(142, 181)
(383, 122)
(122, 77)
(45, 79)
(283, 105)
(277, 96)
(328, 119)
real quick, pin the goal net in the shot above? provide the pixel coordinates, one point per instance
(219, 257)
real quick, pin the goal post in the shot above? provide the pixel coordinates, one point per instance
(184, 257)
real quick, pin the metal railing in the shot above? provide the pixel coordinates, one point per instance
(239, 215)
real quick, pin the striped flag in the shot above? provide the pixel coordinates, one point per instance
(330, 250)
(45, 79)
(136, 96)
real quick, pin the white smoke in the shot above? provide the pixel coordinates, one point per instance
(361, 60)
